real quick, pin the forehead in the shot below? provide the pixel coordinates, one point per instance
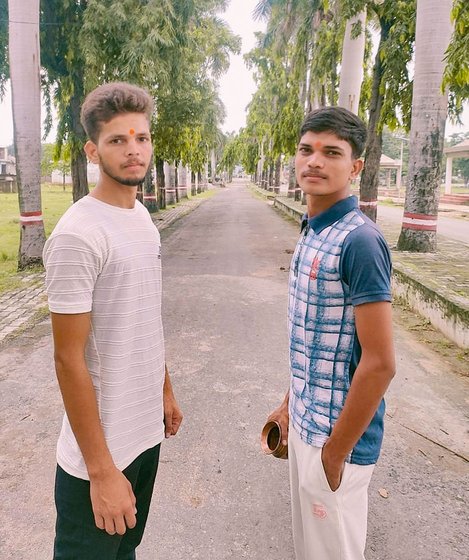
(320, 139)
(123, 124)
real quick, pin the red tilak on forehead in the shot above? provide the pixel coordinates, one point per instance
(131, 132)
(317, 145)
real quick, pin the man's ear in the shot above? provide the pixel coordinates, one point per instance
(356, 168)
(91, 151)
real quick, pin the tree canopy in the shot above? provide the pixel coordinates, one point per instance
(176, 49)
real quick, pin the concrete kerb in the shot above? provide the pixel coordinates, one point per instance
(448, 311)
(165, 218)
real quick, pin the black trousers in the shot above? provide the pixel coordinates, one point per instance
(76, 534)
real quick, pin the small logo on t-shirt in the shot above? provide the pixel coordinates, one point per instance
(319, 511)
(314, 268)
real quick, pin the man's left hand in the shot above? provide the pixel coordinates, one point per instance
(172, 415)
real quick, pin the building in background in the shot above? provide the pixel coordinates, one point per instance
(7, 172)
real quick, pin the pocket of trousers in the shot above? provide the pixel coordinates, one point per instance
(323, 477)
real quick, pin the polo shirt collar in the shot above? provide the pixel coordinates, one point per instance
(331, 215)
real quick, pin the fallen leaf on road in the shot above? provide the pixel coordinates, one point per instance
(383, 493)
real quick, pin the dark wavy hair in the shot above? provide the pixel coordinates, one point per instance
(339, 121)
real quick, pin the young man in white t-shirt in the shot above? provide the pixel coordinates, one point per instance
(103, 276)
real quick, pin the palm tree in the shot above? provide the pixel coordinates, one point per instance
(429, 110)
(351, 73)
(26, 102)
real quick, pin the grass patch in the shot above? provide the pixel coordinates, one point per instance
(206, 194)
(54, 203)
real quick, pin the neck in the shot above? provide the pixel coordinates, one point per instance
(116, 194)
(316, 204)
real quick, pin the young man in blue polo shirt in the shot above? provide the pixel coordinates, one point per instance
(341, 348)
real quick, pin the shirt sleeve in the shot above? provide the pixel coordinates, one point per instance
(72, 267)
(365, 266)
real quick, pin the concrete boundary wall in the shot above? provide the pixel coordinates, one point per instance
(292, 212)
(446, 312)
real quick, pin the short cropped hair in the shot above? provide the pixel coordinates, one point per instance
(110, 100)
(339, 121)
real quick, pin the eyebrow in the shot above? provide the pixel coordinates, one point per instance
(118, 136)
(326, 147)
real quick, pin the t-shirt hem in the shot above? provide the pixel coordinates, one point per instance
(371, 298)
(121, 465)
(69, 310)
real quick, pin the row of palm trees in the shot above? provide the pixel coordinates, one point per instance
(316, 53)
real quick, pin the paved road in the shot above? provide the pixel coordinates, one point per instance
(217, 496)
(453, 228)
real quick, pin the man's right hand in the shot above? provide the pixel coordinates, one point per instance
(113, 502)
(280, 415)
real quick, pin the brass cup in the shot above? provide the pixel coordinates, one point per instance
(271, 440)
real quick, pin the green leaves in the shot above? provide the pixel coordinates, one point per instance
(176, 49)
(456, 75)
(4, 68)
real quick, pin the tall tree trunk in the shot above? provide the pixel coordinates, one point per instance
(78, 162)
(183, 179)
(370, 176)
(265, 177)
(171, 187)
(26, 105)
(351, 71)
(149, 194)
(278, 168)
(205, 179)
(260, 165)
(427, 132)
(270, 177)
(176, 180)
(160, 184)
(292, 184)
(213, 165)
(193, 183)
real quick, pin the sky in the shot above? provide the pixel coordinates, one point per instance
(236, 86)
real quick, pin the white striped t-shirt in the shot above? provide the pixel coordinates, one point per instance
(106, 260)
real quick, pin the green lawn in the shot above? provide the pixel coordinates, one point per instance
(54, 203)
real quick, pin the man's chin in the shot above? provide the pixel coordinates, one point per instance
(131, 182)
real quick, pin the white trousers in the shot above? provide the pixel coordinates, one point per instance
(326, 525)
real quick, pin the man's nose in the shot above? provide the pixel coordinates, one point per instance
(133, 147)
(315, 159)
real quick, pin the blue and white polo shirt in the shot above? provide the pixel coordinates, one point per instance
(341, 260)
